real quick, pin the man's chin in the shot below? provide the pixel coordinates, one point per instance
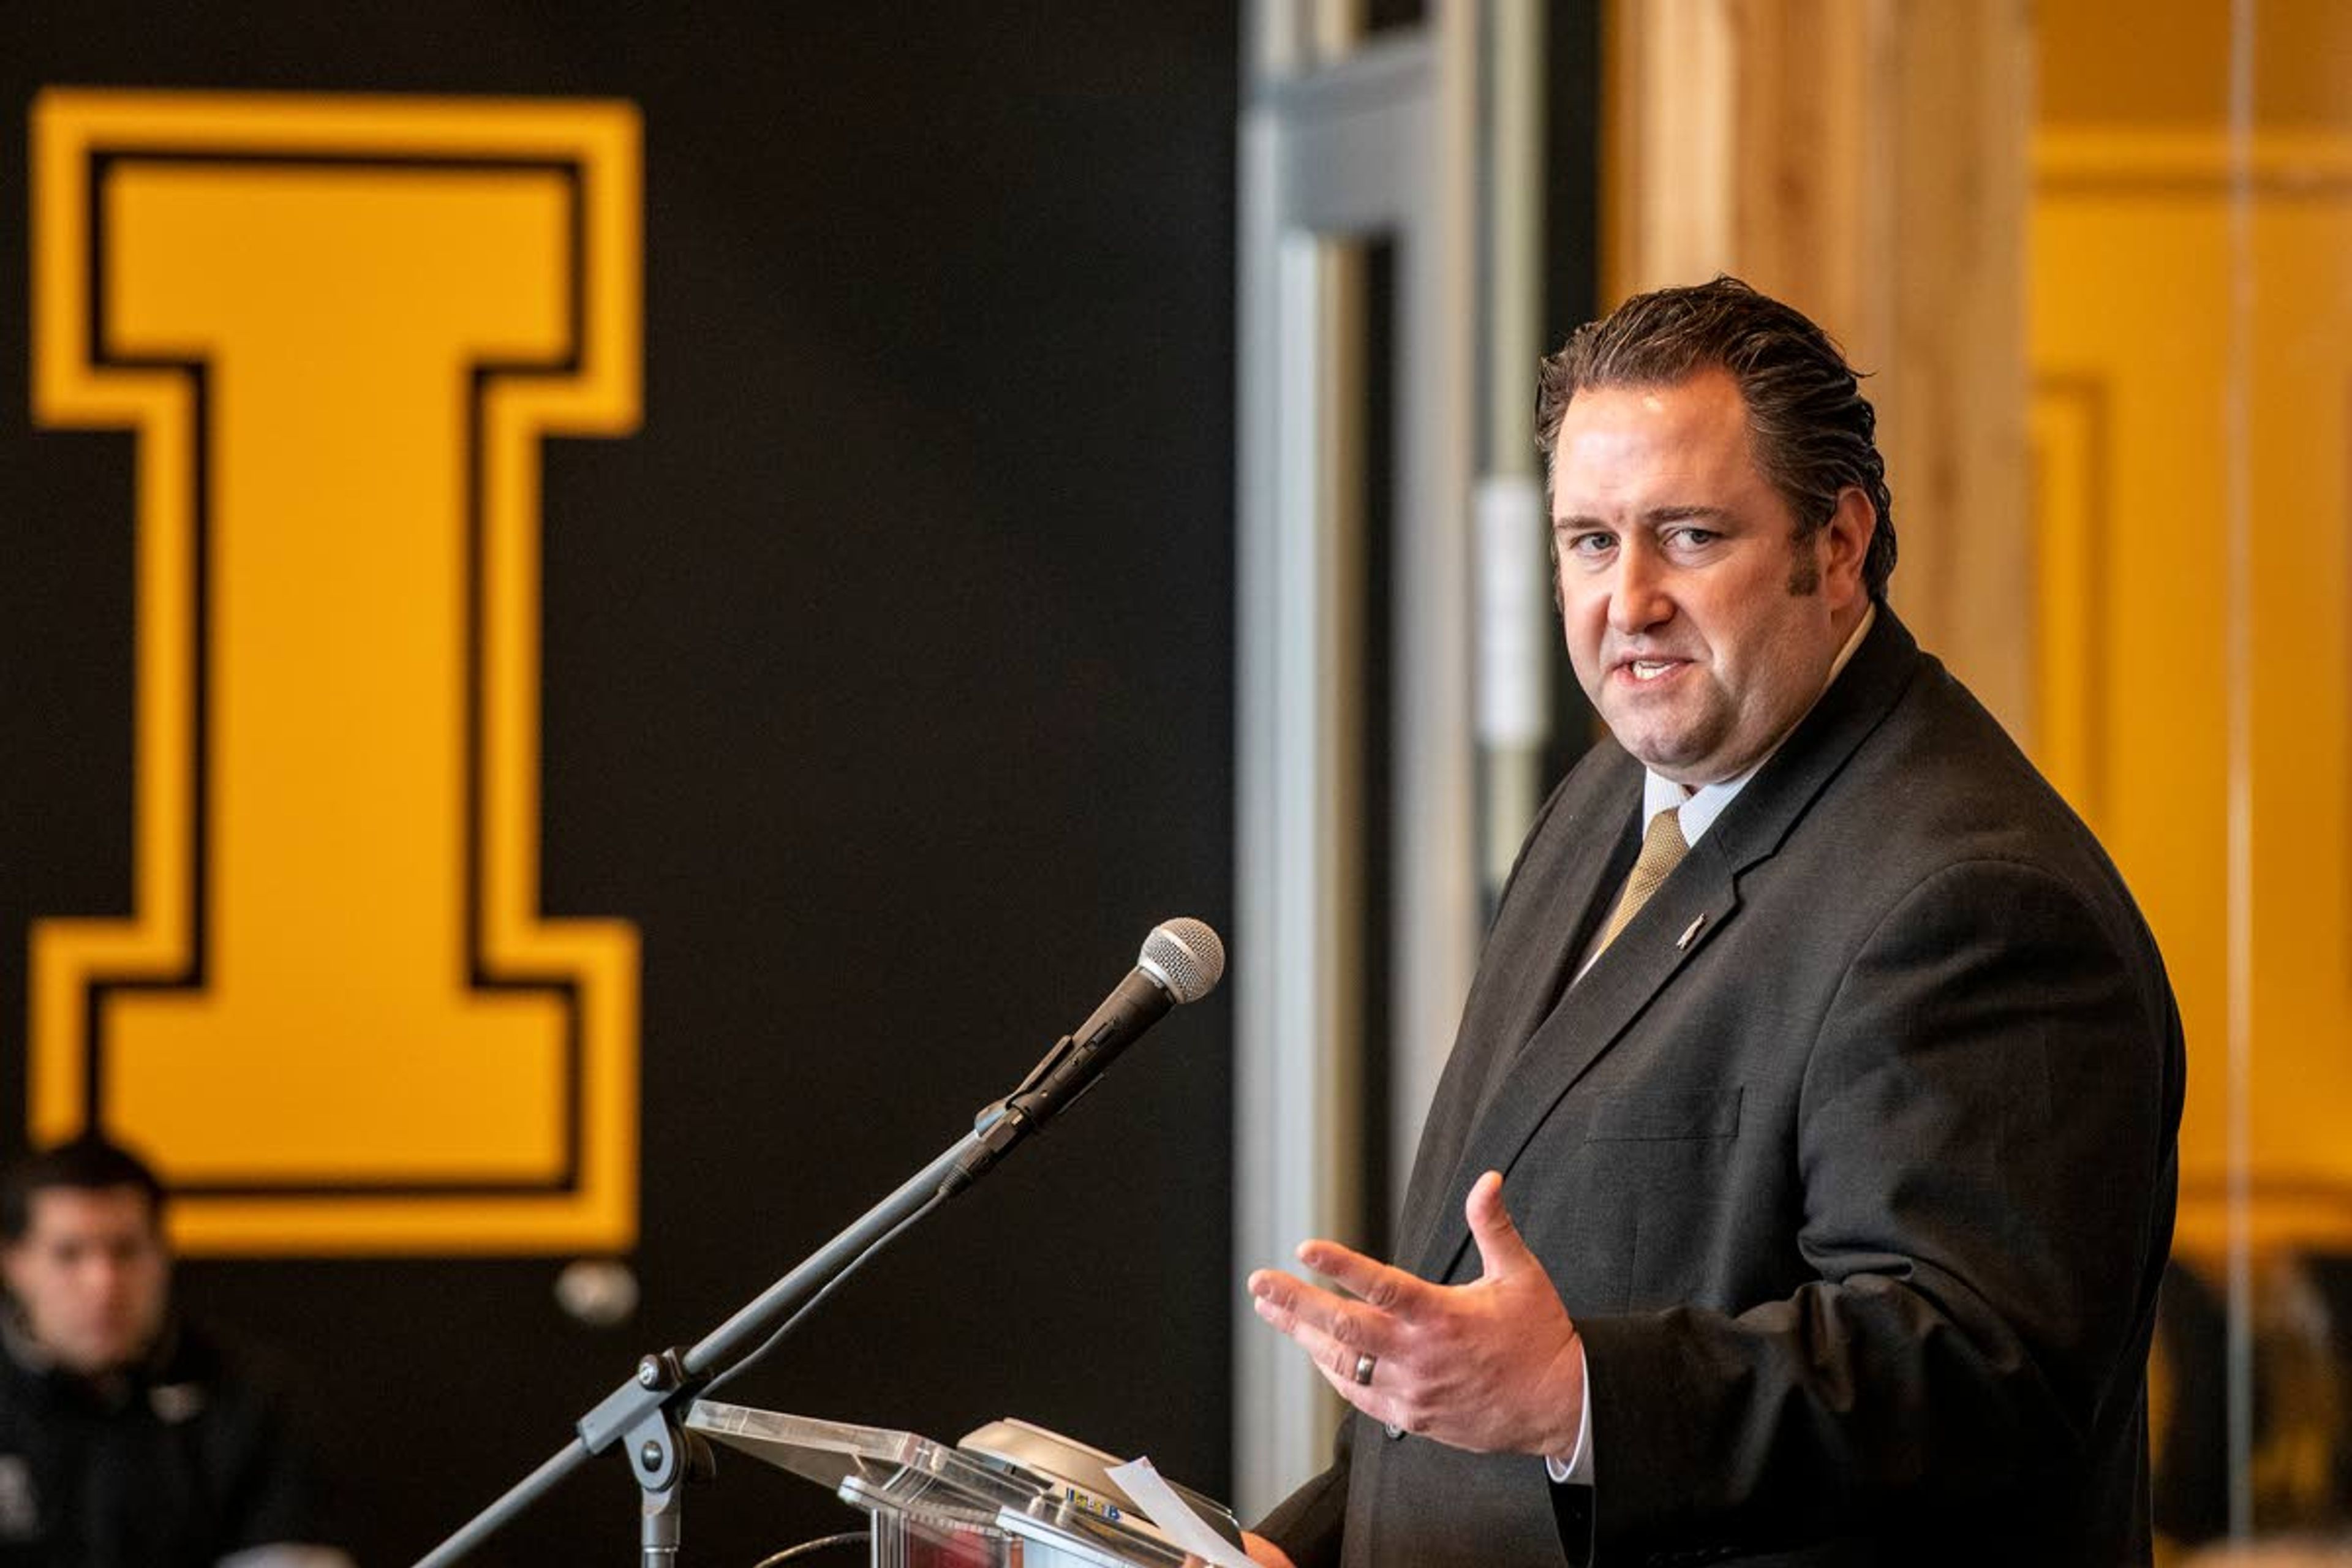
(97, 1358)
(1674, 755)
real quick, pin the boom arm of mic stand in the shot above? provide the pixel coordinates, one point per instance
(663, 1382)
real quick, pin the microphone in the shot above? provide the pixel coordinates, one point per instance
(1181, 960)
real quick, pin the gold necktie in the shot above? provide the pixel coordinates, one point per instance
(1663, 850)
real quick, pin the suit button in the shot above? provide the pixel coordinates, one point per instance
(1393, 1429)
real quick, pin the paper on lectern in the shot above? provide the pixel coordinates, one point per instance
(1178, 1522)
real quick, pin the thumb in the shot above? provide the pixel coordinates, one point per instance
(1500, 1249)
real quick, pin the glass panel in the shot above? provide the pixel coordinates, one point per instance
(2191, 345)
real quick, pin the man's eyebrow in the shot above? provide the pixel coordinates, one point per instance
(1656, 517)
(1666, 514)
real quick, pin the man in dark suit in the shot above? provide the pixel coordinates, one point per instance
(1828, 1068)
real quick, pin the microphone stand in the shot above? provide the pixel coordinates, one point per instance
(643, 1412)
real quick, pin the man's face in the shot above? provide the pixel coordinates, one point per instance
(1676, 562)
(91, 1275)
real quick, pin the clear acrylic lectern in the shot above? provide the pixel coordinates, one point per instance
(1011, 1494)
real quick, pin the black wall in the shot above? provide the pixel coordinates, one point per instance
(888, 689)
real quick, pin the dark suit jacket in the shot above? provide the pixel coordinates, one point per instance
(1853, 1159)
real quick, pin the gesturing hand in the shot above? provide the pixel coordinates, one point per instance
(1492, 1365)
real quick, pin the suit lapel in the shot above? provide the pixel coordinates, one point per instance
(1573, 865)
(1567, 912)
(1694, 903)
(1689, 909)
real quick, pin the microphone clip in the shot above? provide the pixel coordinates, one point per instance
(1004, 1123)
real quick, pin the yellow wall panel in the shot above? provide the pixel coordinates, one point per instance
(2134, 251)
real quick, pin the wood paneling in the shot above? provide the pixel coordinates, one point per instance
(1865, 161)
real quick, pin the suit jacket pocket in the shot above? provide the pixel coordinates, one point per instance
(1650, 1116)
(1665, 1163)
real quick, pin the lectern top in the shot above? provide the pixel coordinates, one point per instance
(941, 1494)
(832, 1452)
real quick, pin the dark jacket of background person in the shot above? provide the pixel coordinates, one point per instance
(182, 1460)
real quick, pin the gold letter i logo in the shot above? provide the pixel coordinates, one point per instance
(340, 327)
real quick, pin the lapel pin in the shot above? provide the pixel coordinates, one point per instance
(1682, 942)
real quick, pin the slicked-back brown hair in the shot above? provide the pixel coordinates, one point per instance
(1812, 430)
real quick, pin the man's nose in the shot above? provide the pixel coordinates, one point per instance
(104, 1274)
(1638, 599)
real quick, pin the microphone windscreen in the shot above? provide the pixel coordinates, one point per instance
(1185, 956)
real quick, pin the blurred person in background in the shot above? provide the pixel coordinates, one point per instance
(128, 1436)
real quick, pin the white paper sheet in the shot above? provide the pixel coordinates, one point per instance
(1178, 1522)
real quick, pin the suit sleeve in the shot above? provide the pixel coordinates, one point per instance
(1307, 1523)
(1984, 1142)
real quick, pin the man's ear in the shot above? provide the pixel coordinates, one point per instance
(1844, 542)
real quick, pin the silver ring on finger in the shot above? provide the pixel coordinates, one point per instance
(1364, 1365)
